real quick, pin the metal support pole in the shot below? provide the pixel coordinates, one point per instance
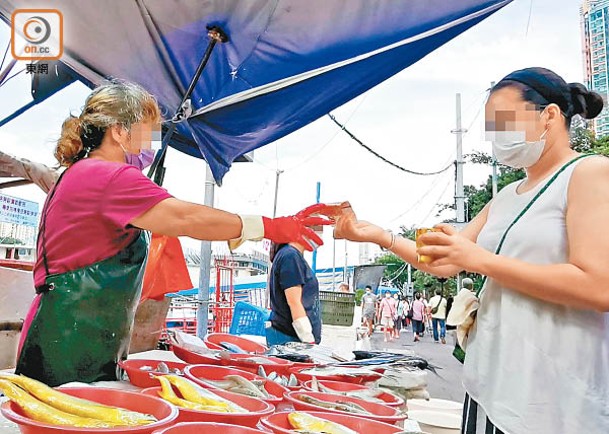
(279, 172)
(345, 275)
(317, 197)
(216, 34)
(204, 267)
(334, 264)
(459, 190)
(494, 164)
(460, 195)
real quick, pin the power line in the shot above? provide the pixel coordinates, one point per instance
(436, 204)
(421, 198)
(5, 52)
(318, 151)
(12, 76)
(376, 154)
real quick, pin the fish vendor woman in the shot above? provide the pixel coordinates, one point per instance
(93, 238)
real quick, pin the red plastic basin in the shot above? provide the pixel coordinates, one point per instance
(164, 412)
(356, 379)
(270, 364)
(278, 423)
(194, 358)
(389, 398)
(256, 409)
(207, 427)
(379, 412)
(215, 373)
(142, 379)
(213, 341)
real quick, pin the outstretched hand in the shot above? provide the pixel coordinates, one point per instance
(350, 228)
(297, 228)
(448, 247)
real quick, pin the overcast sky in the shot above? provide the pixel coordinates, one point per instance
(407, 119)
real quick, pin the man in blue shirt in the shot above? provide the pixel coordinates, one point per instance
(294, 296)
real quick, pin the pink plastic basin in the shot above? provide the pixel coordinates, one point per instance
(216, 373)
(213, 341)
(378, 412)
(194, 358)
(278, 423)
(207, 427)
(164, 412)
(356, 379)
(142, 379)
(389, 398)
(256, 409)
(270, 364)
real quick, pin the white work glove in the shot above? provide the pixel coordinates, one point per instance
(252, 230)
(304, 330)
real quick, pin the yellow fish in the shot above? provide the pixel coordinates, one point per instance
(78, 406)
(41, 412)
(311, 424)
(169, 395)
(194, 393)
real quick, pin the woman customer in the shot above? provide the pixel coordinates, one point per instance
(294, 294)
(538, 354)
(418, 316)
(387, 309)
(93, 239)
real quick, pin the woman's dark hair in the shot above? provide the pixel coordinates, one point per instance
(543, 87)
(274, 249)
(418, 295)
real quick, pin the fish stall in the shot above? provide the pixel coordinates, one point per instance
(294, 387)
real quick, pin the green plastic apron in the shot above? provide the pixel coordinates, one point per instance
(83, 324)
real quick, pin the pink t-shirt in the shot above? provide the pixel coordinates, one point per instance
(88, 219)
(418, 310)
(388, 307)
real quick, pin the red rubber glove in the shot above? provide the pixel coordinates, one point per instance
(294, 228)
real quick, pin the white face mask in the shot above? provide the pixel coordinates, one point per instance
(512, 149)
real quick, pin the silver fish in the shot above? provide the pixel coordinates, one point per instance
(162, 368)
(293, 381)
(262, 372)
(332, 405)
(248, 385)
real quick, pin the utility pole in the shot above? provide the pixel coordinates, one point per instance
(494, 163)
(279, 172)
(459, 191)
(317, 198)
(345, 275)
(333, 264)
(204, 267)
(409, 291)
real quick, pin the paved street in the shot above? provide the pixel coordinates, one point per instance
(445, 385)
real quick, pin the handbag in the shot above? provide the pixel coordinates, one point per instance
(459, 351)
(434, 310)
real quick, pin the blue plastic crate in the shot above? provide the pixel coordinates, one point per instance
(249, 320)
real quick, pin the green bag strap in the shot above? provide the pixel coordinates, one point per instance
(529, 205)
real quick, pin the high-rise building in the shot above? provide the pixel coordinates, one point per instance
(595, 38)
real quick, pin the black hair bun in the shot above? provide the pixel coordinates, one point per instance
(585, 103)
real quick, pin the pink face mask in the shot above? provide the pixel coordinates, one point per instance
(142, 160)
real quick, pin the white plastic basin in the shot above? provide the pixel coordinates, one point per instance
(434, 422)
(440, 405)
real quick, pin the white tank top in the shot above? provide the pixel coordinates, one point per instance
(533, 366)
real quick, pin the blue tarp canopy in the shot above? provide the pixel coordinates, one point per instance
(287, 62)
